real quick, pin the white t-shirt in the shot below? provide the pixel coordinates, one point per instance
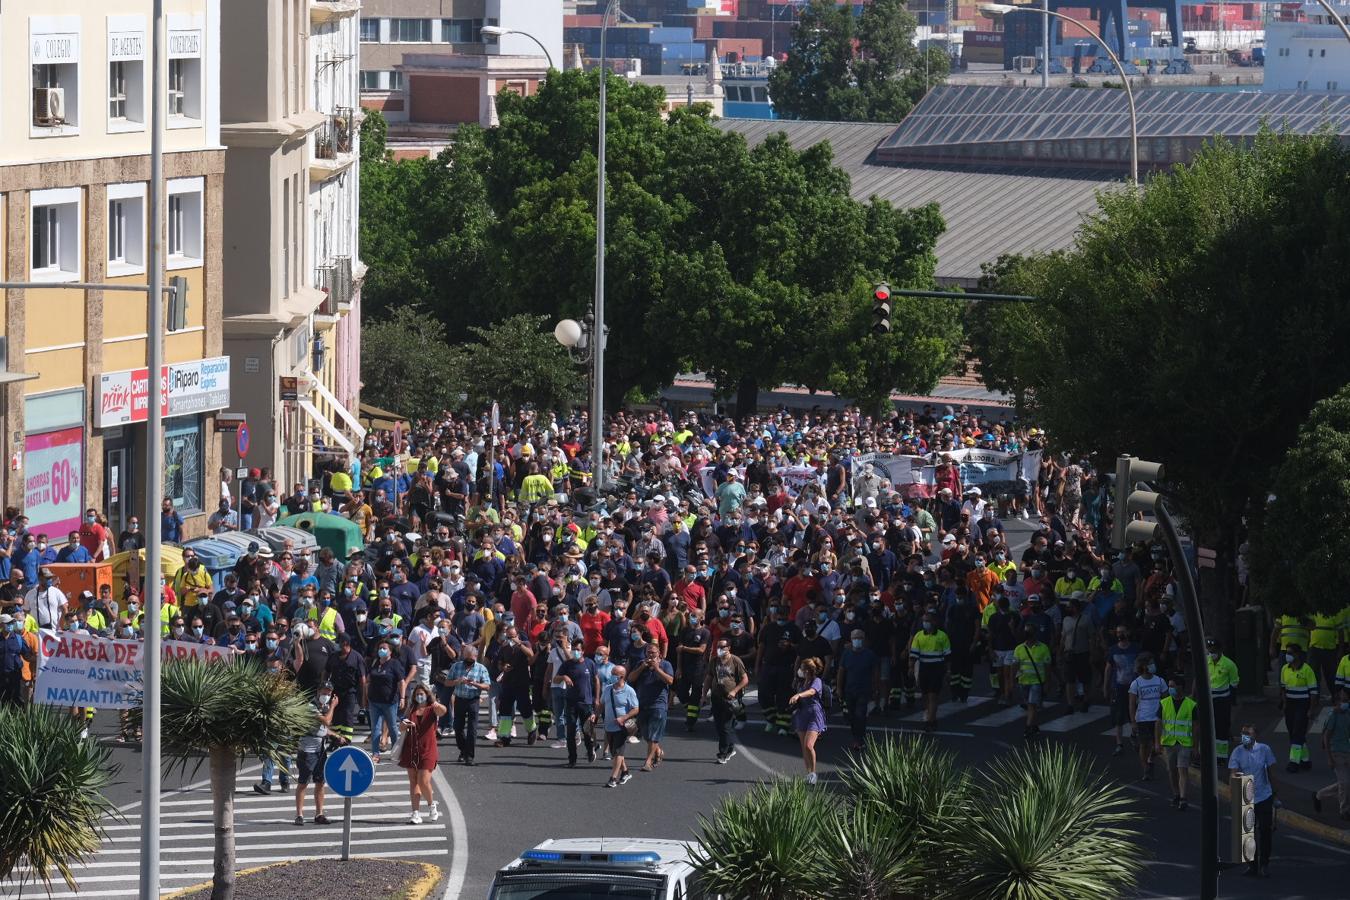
(45, 604)
(418, 640)
(1149, 689)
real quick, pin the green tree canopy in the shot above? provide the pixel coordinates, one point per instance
(518, 361)
(407, 364)
(1300, 554)
(842, 68)
(749, 264)
(1195, 323)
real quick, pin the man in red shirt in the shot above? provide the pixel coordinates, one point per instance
(797, 590)
(522, 601)
(593, 621)
(690, 591)
(93, 535)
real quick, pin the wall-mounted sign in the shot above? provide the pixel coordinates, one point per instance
(187, 387)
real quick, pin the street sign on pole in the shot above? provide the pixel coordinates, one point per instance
(241, 439)
(348, 773)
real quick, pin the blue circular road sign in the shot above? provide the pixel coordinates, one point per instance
(349, 772)
(241, 439)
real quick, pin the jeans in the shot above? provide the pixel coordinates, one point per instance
(722, 712)
(575, 715)
(557, 701)
(269, 770)
(466, 725)
(383, 712)
(446, 697)
(1265, 828)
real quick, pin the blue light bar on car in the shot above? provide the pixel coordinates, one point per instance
(541, 856)
(646, 856)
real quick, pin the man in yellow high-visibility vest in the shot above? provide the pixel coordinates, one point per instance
(1177, 737)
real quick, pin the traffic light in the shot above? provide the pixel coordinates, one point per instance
(1242, 790)
(178, 303)
(1128, 501)
(881, 308)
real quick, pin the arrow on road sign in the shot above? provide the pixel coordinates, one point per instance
(349, 771)
(349, 768)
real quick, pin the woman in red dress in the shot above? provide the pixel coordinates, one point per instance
(420, 754)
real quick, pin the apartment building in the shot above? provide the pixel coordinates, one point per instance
(290, 121)
(428, 67)
(74, 179)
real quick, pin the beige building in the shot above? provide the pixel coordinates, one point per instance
(292, 277)
(74, 170)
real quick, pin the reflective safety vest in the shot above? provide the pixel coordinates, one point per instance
(166, 612)
(327, 622)
(1293, 630)
(1343, 672)
(1033, 663)
(930, 648)
(1223, 677)
(1178, 722)
(1298, 684)
(1326, 631)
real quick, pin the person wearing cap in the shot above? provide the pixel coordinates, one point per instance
(1223, 681)
(928, 652)
(46, 600)
(16, 652)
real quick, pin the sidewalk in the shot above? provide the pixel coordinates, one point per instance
(1295, 789)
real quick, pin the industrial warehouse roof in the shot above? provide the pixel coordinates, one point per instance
(989, 211)
(981, 114)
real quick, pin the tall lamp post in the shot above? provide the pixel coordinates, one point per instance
(1001, 9)
(498, 31)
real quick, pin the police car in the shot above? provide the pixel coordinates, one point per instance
(594, 868)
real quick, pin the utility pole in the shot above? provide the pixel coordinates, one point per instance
(1128, 501)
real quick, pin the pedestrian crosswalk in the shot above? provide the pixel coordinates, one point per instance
(948, 709)
(264, 833)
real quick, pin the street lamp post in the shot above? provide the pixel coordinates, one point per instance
(498, 31)
(598, 330)
(1000, 9)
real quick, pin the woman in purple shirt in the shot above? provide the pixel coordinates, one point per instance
(808, 716)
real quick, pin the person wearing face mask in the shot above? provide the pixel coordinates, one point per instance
(1146, 693)
(858, 682)
(580, 682)
(652, 679)
(191, 577)
(311, 756)
(1336, 744)
(725, 682)
(467, 679)
(1257, 761)
(420, 754)
(1033, 668)
(14, 653)
(1298, 691)
(691, 653)
(386, 686)
(777, 643)
(350, 686)
(928, 652)
(1223, 681)
(1177, 737)
(808, 715)
(514, 659)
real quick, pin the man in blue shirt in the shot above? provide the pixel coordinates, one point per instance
(467, 678)
(171, 523)
(652, 679)
(1258, 762)
(619, 704)
(73, 552)
(580, 680)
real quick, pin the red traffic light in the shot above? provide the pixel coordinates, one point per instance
(882, 293)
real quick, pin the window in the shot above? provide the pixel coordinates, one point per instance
(370, 80)
(117, 90)
(126, 229)
(175, 104)
(183, 101)
(461, 31)
(286, 238)
(184, 231)
(370, 31)
(410, 31)
(1332, 85)
(1323, 53)
(183, 462)
(55, 250)
(395, 81)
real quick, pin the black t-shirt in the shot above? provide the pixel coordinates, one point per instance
(347, 671)
(385, 678)
(1153, 632)
(742, 645)
(880, 635)
(815, 646)
(518, 675)
(1001, 636)
(693, 637)
(780, 643)
(313, 671)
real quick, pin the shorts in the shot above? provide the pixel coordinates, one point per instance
(930, 677)
(1004, 658)
(1145, 732)
(616, 740)
(1178, 757)
(652, 725)
(310, 764)
(1031, 694)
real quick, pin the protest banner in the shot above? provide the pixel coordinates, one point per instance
(78, 669)
(171, 650)
(795, 478)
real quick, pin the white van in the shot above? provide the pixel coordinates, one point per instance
(600, 869)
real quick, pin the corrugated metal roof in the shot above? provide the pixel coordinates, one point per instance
(977, 114)
(989, 211)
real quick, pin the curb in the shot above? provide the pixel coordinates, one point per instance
(1295, 820)
(420, 889)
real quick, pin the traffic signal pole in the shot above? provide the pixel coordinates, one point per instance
(1127, 502)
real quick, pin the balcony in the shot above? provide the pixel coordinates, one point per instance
(334, 279)
(334, 141)
(321, 11)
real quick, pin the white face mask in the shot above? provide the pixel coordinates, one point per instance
(801, 673)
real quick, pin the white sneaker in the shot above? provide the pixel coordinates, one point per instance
(435, 810)
(491, 735)
(633, 739)
(556, 745)
(513, 731)
(84, 732)
(1025, 515)
(415, 818)
(810, 777)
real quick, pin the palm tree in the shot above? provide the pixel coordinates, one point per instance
(51, 794)
(1050, 828)
(229, 711)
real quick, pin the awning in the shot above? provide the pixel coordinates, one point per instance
(356, 427)
(381, 419)
(12, 377)
(326, 426)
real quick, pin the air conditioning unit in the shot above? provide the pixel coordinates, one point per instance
(49, 106)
